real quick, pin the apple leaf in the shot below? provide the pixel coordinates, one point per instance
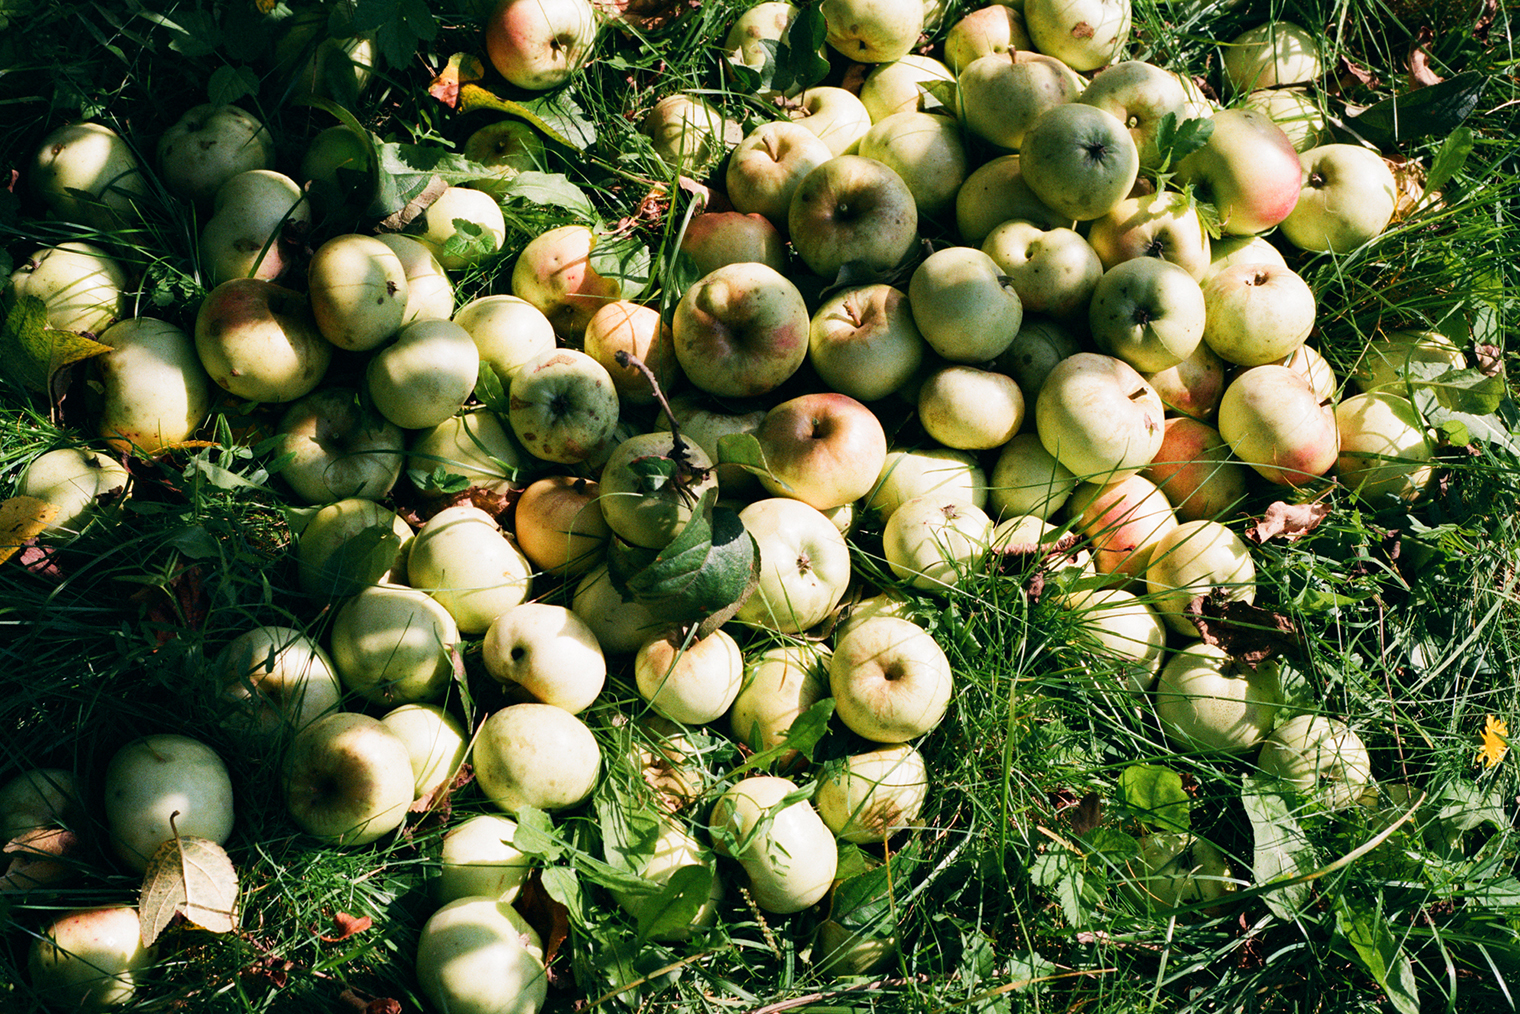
(703, 576)
(407, 170)
(192, 877)
(1434, 109)
(744, 450)
(678, 902)
(470, 241)
(398, 26)
(1155, 795)
(1467, 405)
(32, 351)
(556, 116)
(1448, 161)
(358, 563)
(623, 258)
(1467, 391)
(1176, 141)
(1366, 928)
(1280, 846)
(490, 389)
(797, 63)
(548, 189)
(228, 84)
(535, 835)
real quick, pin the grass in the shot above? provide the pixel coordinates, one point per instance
(1017, 894)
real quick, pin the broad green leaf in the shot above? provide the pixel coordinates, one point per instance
(1156, 796)
(708, 571)
(798, 64)
(196, 543)
(1064, 875)
(31, 352)
(228, 84)
(358, 563)
(802, 735)
(1282, 851)
(1434, 109)
(218, 475)
(744, 450)
(1468, 391)
(624, 258)
(677, 904)
(192, 877)
(490, 389)
(406, 170)
(563, 884)
(1435, 404)
(1176, 141)
(535, 834)
(1366, 928)
(556, 117)
(1449, 160)
(548, 189)
(469, 242)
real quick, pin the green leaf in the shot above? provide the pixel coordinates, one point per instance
(228, 84)
(556, 116)
(358, 563)
(1467, 397)
(677, 904)
(490, 390)
(655, 472)
(1176, 141)
(563, 884)
(802, 735)
(1076, 889)
(1449, 160)
(549, 190)
(1156, 796)
(624, 258)
(535, 835)
(192, 877)
(1434, 109)
(1282, 851)
(744, 450)
(798, 64)
(439, 482)
(31, 351)
(1366, 928)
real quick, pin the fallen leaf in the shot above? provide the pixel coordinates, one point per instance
(462, 68)
(1087, 814)
(192, 877)
(1480, 27)
(549, 918)
(1420, 74)
(1347, 69)
(1490, 359)
(398, 220)
(1291, 521)
(1495, 736)
(39, 858)
(22, 519)
(347, 926)
(1247, 633)
(41, 561)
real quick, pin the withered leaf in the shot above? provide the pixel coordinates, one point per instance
(22, 519)
(462, 68)
(1490, 359)
(192, 877)
(1245, 632)
(399, 220)
(40, 858)
(547, 916)
(1291, 521)
(347, 925)
(1087, 814)
(1420, 73)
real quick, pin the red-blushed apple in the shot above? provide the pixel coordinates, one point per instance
(554, 273)
(1083, 34)
(995, 28)
(1054, 271)
(1257, 313)
(535, 755)
(1124, 521)
(258, 341)
(339, 448)
(863, 341)
(1027, 479)
(1384, 449)
(852, 208)
(716, 238)
(891, 681)
(970, 409)
(1147, 312)
(1098, 417)
(825, 449)
(966, 309)
(1000, 95)
(765, 168)
(926, 151)
(931, 541)
(741, 330)
(1194, 386)
(559, 525)
(537, 44)
(563, 406)
(246, 234)
(1196, 472)
(646, 509)
(1140, 94)
(1079, 160)
(837, 116)
(687, 679)
(1198, 558)
(994, 193)
(873, 31)
(1163, 225)
(804, 565)
(1274, 422)
(1349, 197)
(549, 652)
(626, 326)
(912, 84)
(1248, 169)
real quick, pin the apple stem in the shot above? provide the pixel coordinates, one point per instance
(684, 469)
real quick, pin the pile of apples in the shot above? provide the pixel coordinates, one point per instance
(1112, 349)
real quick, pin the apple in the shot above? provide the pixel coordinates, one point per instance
(1228, 251)
(649, 510)
(937, 470)
(348, 779)
(478, 859)
(705, 425)
(559, 525)
(563, 406)
(780, 683)
(1348, 199)
(340, 448)
(429, 293)
(1000, 95)
(39, 798)
(334, 68)
(994, 193)
(245, 237)
(864, 342)
(1179, 869)
(259, 342)
(540, 44)
(1054, 271)
(765, 168)
(852, 208)
(1257, 313)
(535, 755)
(741, 330)
(473, 445)
(434, 741)
(626, 326)
(425, 375)
(1027, 479)
(716, 238)
(1271, 54)
(1274, 422)
(837, 116)
(688, 680)
(621, 625)
(1125, 521)
(964, 307)
(89, 958)
(891, 681)
(875, 794)
(1386, 361)
(279, 677)
(154, 391)
(1196, 472)
(1141, 95)
(996, 28)
(555, 274)
(338, 167)
(1098, 417)
(86, 173)
(825, 449)
(1384, 448)
(1210, 703)
(1079, 160)
(1198, 558)
(1248, 169)
(688, 133)
(1035, 350)
(323, 564)
(506, 148)
(931, 541)
(161, 786)
(1164, 225)
(926, 151)
(1029, 538)
(549, 652)
(80, 285)
(1194, 386)
(209, 145)
(74, 479)
(1319, 757)
(392, 645)
(477, 955)
(438, 229)
(1309, 364)
(804, 565)
(1148, 312)
(463, 559)
(1083, 34)
(911, 84)
(509, 332)
(873, 31)
(786, 849)
(1122, 630)
(754, 34)
(970, 409)
(1298, 113)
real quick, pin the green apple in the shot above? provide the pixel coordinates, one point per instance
(339, 448)
(1386, 361)
(548, 651)
(472, 444)
(434, 741)
(996, 28)
(279, 677)
(1120, 628)
(787, 851)
(482, 239)
(937, 470)
(647, 510)
(927, 151)
(208, 146)
(874, 795)
(1083, 34)
(780, 683)
(425, 375)
(688, 133)
(391, 645)
(1000, 95)
(1257, 313)
(837, 116)
(154, 391)
(89, 959)
(672, 849)
(429, 293)
(1384, 448)
(970, 409)
(507, 147)
(1198, 558)
(852, 208)
(690, 681)
(1148, 312)
(1098, 417)
(1027, 479)
(535, 755)
(509, 332)
(891, 682)
(765, 168)
(80, 285)
(994, 193)
(1142, 95)
(804, 565)
(478, 859)
(1054, 271)
(1271, 54)
(1320, 757)
(873, 31)
(564, 406)
(161, 786)
(464, 560)
(913, 83)
(476, 955)
(86, 173)
(245, 235)
(323, 564)
(1079, 160)
(348, 779)
(1348, 199)
(741, 330)
(965, 308)
(1163, 225)
(1210, 703)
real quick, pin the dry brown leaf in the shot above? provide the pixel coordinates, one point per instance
(1291, 521)
(39, 858)
(396, 221)
(347, 926)
(1490, 359)
(1247, 633)
(462, 68)
(1420, 74)
(22, 519)
(549, 918)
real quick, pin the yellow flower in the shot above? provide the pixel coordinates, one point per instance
(1495, 741)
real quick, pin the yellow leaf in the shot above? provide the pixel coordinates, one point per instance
(1495, 741)
(22, 519)
(189, 876)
